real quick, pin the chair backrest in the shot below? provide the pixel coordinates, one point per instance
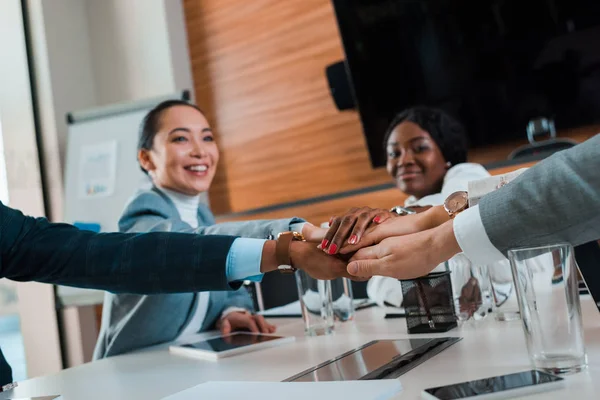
(274, 290)
(588, 260)
(543, 148)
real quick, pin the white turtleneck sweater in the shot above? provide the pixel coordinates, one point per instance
(187, 207)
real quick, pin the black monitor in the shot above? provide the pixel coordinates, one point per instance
(493, 64)
(588, 260)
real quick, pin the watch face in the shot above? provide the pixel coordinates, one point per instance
(457, 201)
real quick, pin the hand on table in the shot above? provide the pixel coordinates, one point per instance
(470, 297)
(244, 321)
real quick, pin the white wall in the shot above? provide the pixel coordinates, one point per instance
(64, 81)
(69, 55)
(86, 53)
(97, 52)
(36, 301)
(131, 54)
(179, 45)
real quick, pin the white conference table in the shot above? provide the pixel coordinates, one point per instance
(489, 348)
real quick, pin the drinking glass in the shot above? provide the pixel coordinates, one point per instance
(343, 299)
(316, 304)
(504, 299)
(547, 290)
(468, 284)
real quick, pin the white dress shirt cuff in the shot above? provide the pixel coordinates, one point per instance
(243, 260)
(297, 227)
(473, 239)
(229, 310)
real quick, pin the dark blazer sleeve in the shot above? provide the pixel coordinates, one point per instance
(33, 249)
(557, 200)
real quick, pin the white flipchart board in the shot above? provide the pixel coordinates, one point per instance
(102, 172)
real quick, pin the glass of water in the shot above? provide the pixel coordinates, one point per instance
(470, 288)
(343, 299)
(505, 305)
(547, 290)
(316, 304)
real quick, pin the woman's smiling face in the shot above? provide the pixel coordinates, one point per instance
(184, 154)
(415, 161)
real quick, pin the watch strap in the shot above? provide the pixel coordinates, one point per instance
(282, 251)
(282, 248)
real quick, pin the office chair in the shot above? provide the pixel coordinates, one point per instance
(587, 257)
(277, 290)
(274, 290)
(541, 149)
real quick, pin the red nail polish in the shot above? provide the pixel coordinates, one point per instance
(376, 219)
(333, 248)
(353, 239)
(324, 243)
(330, 221)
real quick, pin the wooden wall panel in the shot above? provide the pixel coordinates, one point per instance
(322, 211)
(258, 68)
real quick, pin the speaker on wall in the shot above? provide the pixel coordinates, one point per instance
(339, 86)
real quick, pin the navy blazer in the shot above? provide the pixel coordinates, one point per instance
(131, 322)
(33, 249)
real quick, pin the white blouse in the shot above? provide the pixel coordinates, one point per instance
(187, 207)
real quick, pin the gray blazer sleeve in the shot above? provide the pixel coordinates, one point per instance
(557, 200)
(148, 212)
(259, 229)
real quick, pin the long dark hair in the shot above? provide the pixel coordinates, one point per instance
(446, 131)
(151, 123)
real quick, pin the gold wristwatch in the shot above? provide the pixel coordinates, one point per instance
(282, 251)
(456, 203)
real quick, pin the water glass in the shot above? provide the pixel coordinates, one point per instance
(547, 290)
(470, 288)
(316, 304)
(343, 299)
(504, 299)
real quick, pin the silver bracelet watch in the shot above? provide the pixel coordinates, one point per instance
(402, 210)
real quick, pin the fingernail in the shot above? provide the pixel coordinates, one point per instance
(352, 269)
(332, 248)
(353, 239)
(324, 243)
(377, 219)
(330, 221)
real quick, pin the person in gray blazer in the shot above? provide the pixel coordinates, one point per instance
(178, 152)
(555, 201)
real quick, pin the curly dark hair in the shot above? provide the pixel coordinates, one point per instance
(446, 131)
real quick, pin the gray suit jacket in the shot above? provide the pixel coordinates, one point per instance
(557, 200)
(131, 322)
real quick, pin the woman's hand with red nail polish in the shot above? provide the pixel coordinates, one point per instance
(314, 234)
(349, 228)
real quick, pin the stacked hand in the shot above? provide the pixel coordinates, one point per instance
(316, 263)
(401, 247)
(244, 321)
